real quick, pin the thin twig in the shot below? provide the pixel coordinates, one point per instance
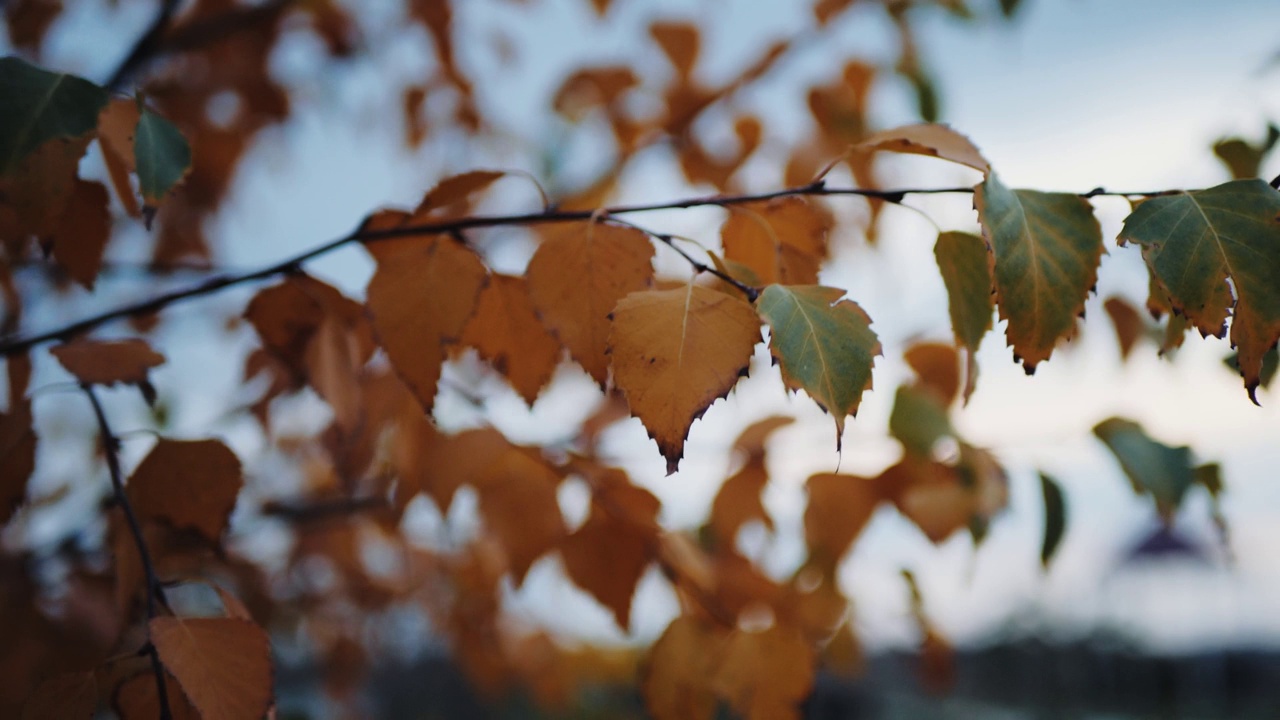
(218, 283)
(145, 48)
(111, 448)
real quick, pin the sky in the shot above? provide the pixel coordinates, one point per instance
(1073, 94)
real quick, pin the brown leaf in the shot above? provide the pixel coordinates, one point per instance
(65, 695)
(34, 197)
(505, 331)
(576, 277)
(676, 679)
(190, 483)
(116, 126)
(675, 352)
(449, 198)
(106, 362)
(223, 665)
(782, 241)
(333, 360)
(421, 296)
(17, 458)
(932, 139)
(81, 236)
(519, 505)
(751, 440)
(137, 699)
(937, 365)
(839, 508)
(765, 675)
(1127, 322)
(680, 42)
(430, 462)
(609, 553)
(287, 316)
(739, 502)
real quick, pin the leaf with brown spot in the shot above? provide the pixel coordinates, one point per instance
(765, 675)
(576, 277)
(608, 555)
(933, 139)
(676, 677)
(519, 506)
(107, 362)
(505, 331)
(223, 665)
(421, 297)
(189, 483)
(677, 351)
(783, 240)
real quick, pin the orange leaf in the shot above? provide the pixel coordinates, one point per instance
(436, 464)
(609, 553)
(576, 277)
(932, 139)
(65, 695)
(782, 241)
(81, 235)
(222, 664)
(441, 201)
(1128, 324)
(675, 352)
(765, 675)
(839, 508)
(137, 699)
(421, 296)
(738, 503)
(190, 483)
(938, 367)
(680, 43)
(519, 505)
(676, 681)
(505, 331)
(117, 124)
(106, 362)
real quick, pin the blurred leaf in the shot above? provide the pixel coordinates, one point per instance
(935, 140)
(37, 105)
(107, 362)
(1055, 518)
(918, 420)
(1243, 158)
(1152, 467)
(964, 263)
(222, 664)
(1270, 362)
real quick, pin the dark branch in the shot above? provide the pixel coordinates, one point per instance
(111, 448)
(147, 46)
(218, 283)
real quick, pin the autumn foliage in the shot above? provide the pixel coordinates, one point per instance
(166, 610)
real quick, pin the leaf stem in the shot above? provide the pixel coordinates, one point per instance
(111, 448)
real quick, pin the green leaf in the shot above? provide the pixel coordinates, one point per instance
(918, 420)
(37, 106)
(162, 155)
(1047, 248)
(1196, 242)
(1055, 518)
(1163, 471)
(966, 272)
(823, 344)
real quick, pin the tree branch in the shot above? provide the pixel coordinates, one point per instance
(217, 283)
(147, 46)
(111, 448)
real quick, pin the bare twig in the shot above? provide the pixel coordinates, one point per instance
(145, 48)
(111, 448)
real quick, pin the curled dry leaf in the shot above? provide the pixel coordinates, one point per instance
(933, 139)
(189, 483)
(576, 277)
(677, 351)
(223, 665)
(106, 362)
